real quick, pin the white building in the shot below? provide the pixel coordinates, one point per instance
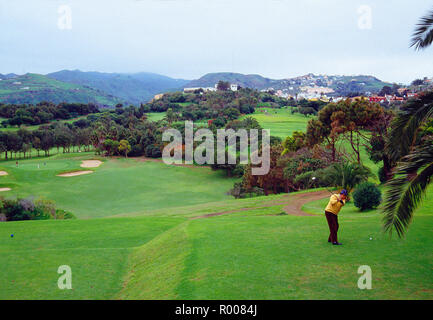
(234, 87)
(198, 88)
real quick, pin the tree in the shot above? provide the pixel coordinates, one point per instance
(345, 175)
(294, 143)
(111, 146)
(124, 147)
(379, 128)
(415, 170)
(417, 82)
(223, 85)
(345, 120)
(47, 140)
(386, 90)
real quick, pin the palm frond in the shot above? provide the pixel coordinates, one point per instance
(405, 191)
(405, 125)
(422, 37)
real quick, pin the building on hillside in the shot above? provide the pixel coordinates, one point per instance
(395, 98)
(157, 96)
(402, 90)
(377, 99)
(186, 90)
(234, 87)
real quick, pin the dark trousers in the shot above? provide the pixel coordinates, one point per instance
(333, 226)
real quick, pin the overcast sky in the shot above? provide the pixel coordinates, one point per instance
(188, 38)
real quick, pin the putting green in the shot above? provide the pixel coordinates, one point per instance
(120, 186)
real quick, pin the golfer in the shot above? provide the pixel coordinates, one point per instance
(331, 213)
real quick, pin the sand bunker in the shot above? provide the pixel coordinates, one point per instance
(5, 189)
(3, 173)
(73, 174)
(90, 163)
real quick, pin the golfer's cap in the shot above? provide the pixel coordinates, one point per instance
(344, 191)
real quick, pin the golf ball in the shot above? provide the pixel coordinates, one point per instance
(371, 238)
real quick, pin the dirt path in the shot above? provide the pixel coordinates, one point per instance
(295, 206)
(293, 203)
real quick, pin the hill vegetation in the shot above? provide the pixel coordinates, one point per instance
(35, 88)
(134, 88)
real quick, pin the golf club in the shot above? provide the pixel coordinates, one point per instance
(371, 236)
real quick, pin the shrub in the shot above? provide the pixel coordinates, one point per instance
(153, 151)
(367, 196)
(65, 215)
(238, 171)
(239, 191)
(29, 209)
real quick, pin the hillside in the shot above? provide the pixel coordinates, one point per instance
(33, 88)
(337, 85)
(134, 88)
(8, 76)
(254, 81)
(112, 88)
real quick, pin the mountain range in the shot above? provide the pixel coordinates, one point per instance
(134, 88)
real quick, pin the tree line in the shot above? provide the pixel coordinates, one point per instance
(44, 112)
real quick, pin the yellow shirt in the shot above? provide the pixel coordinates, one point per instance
(334, 204)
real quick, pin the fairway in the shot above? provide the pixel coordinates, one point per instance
(251, 254)
(96, 250)
(281, 122)
(118, 186)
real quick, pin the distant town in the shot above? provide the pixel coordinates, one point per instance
(314, 88)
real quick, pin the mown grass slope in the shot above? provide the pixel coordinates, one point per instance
(96, 250)
(280, 122)
(263, 255)
(118, 186)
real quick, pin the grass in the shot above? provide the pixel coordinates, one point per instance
(131, 185)
(257, 254)
(281, 122)
(253, 254)
(96, 250)
(155, 116)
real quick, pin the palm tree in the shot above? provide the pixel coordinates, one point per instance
(423, 34)
(415, 169)
(407, 188)
(345, 175)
